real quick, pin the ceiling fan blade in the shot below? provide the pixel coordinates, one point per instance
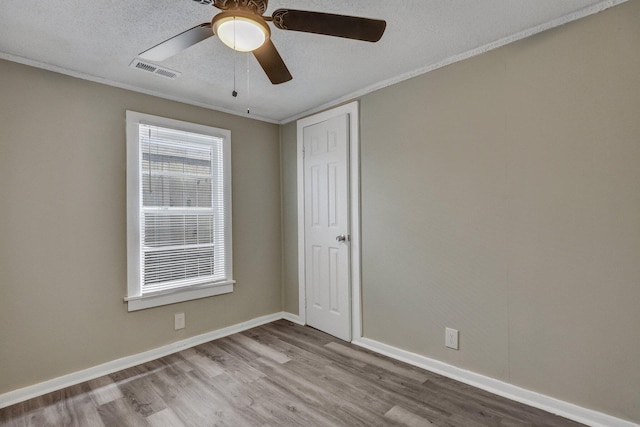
(350, 27)
(272, 63)
(177, 44)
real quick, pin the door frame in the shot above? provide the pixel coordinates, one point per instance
(352, 110)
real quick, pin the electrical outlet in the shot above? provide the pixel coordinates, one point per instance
(451, 338)
(178, 321)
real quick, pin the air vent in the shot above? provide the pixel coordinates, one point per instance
(146, 67)
(166, 73)
(155, 69)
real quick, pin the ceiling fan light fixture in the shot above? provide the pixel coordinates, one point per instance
(240, 31)
(242, 26)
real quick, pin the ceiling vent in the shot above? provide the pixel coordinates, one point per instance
(155, 69)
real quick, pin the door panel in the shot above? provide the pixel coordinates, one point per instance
(326, 152)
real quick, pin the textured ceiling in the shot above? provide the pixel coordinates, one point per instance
(98, 39)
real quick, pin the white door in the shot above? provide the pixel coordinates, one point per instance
(326, 217)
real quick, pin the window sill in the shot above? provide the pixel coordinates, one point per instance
(179, 295)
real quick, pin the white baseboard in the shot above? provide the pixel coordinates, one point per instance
(292, 318)
(510, 391)
(29, 392)
(518, 394)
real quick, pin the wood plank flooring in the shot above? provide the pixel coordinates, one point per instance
(279, 374)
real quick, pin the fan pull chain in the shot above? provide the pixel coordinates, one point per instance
(235, 59)
(248, 88)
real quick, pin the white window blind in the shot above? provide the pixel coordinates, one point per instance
(183, 237)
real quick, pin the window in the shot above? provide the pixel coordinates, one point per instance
(178, 211)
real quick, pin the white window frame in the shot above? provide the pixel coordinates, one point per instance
(135, 299)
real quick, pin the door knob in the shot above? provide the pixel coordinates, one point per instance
(341, 238)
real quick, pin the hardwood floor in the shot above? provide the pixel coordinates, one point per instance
(279, 374)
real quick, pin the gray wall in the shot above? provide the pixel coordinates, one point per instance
(288, 164)
(500, 197)
(63, 227)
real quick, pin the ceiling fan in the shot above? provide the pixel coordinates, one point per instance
(242, 26)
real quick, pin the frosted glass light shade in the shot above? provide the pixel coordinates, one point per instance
(241, 33)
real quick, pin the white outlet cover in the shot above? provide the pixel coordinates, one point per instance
(178, 321)
(451, 338)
